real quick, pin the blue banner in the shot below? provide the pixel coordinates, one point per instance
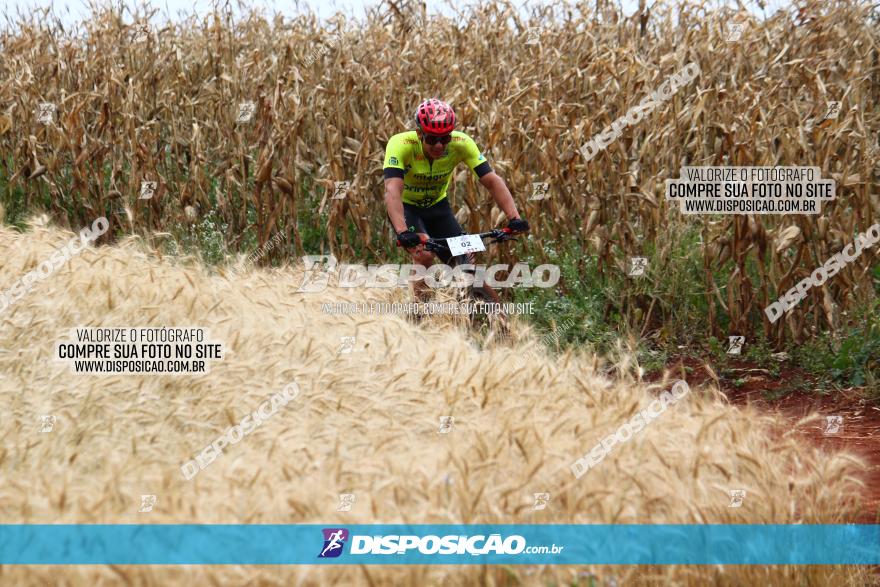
(479, 544)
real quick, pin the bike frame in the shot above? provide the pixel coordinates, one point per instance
(483, 292)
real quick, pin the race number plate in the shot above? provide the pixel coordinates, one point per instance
(466, 243)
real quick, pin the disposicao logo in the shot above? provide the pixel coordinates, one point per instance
(334, 542)
(394, 544)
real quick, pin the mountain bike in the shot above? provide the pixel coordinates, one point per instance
(486, 313)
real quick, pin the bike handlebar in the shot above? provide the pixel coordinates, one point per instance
(498, 234)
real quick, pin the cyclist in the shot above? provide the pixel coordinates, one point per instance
(418, 167)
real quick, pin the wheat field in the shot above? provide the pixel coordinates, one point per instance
(364, 423)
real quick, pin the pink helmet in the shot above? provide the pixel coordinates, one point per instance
(435, 117)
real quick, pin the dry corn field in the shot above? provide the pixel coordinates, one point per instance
(365, 423)
(137, 102)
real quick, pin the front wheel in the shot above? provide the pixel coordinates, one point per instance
(488, 315)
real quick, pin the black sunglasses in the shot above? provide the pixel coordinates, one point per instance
(433, 140)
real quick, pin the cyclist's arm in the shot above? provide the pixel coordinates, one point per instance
(393, 168)
(394, 204)
(490, 180)
(496, 186)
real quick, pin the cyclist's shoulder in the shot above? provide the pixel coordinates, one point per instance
(407, 138)
(460, 137)
(463, 146)
(463, 143)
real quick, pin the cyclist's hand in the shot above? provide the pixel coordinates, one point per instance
(408, 239)
(518, 225)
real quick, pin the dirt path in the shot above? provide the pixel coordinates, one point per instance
(857, 430)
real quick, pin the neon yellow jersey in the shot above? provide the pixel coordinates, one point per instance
(425, 181)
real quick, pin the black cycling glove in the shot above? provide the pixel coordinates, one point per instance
(408, 239)
(518, 225)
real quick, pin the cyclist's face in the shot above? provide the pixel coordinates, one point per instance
(434, 151)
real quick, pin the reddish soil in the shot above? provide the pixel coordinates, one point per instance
(795, 394)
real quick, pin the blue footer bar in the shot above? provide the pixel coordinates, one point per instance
(383, 544)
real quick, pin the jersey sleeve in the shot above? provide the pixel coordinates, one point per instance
(474, 159)
(394, 157)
